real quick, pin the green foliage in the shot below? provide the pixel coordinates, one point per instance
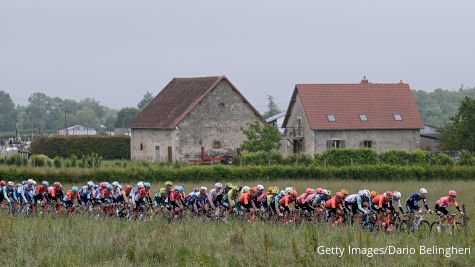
(107, 147)
(344, 157)
(399, 157)
(438, 106)
(459, 133)
(7, 112)
(261, 138)
(466, 158)
(17, 160)
(41, 161)
(243, 173)
(273, 157)
(147, 98)
(125, 116)
(272, 108)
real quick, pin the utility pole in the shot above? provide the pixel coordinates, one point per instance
(66, 123)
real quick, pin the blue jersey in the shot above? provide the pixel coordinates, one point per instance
(412, 201)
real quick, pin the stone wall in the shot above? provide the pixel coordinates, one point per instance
(297, 113)
(383, 140)
(151, 144)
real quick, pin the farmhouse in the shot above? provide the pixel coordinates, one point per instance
(78, 130)
(188, 114)
(365, 114)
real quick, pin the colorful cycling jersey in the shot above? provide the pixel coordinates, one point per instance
(70, 196)
(286, 200)
(309, 198)
(381, 200)
(413, 200)
(357, 199)
(215, 193)
(86, 191)
(262, 197)
(9, 193)
(334, 203)
(40, 189)
(105, 194)
(245, 198)
(231, 197)
(54, 192)
(176, 196)
(26, 192)
(444, 202)
(301, 199)
(318, 200)
(198, 198)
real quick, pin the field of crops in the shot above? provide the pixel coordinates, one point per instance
(80, 241)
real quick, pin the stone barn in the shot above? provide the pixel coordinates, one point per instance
(188, 114)
(381, 116)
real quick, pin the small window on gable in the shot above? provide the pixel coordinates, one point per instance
(367, 144)
(331, 117)
(217, 145)
(397, 117)
(221, 105)
(363, 117)
(141, 147)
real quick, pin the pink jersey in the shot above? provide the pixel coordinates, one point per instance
(310, 198)
(446, 201)
(301, 198)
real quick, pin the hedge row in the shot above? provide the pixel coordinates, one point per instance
(108, 147)
(345, 157)
(247, 173)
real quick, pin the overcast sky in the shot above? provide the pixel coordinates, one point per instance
(115, 51)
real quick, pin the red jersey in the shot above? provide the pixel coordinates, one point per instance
(262, 197)
(286, 200)
(175, 195)
(71, 196)
(40, 189)
(105, 193)
(53, 192)
(245, 198)
(333, 203)
(379, 200)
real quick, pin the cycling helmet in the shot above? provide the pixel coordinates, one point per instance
(235, 188)
(148, 185)
(452, 193)
(140, 185)
(57, 184)
(373, 194)
(329, 192)
(168, 183)
(293, 193)
(180, 188)
(260, 187)
(325, 192)
(31, 181)
(397, 195)
(319, 190)
(309, 191)
(109, 187)
(103, 184)
(18, 185)
(270, 189)
(344, 192)
(218, 185)
(128, 188)
(423, 191)
(203, 188)
(283, 192)
(10, 183)
(288, 190)
(340, 194)
(90, 183)
(45, 183)
(254, 190)
(3, 183)
(229, 185)
(275, 191)
(115, 183)
(75, 189)
(366, 193)
(246, 189)
(389, 194)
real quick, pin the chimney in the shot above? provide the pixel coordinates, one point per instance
(365, 80)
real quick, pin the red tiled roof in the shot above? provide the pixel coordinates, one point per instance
(177, 100)
(346, 101)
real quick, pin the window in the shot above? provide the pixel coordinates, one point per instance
(217, 145)
(331, 117)
(335, 143)
(397, 117)
(367, 144)
(221, 105)
(363, 117)
(141, 147)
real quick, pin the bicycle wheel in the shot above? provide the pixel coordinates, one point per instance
(424, 227)
(402, 226)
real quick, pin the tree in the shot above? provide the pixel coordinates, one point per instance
(147, 98)
(88, 117)
(7, 112)
(125, 116)
(459, 133)
(261, 138)
(272, 108)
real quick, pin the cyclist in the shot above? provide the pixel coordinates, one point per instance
(72, 195)
(230, 199)
(334, 206)
(354, 203)
(441, 207)
(216, 194)
(301, 199)
(85, 193)
(9, 194)
(55, 194)
(382, 204)
(397, 197)
(2, 185)
(26, 193)
(412, 204)
(105, 196)
(284, 205)
(201, 201)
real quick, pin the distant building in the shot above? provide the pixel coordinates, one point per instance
(188, 114)
(372, 115)
(78, 130)
(430, 138)
(121, 131)
(277, 121)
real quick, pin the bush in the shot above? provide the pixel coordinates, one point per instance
(41, 161)
(345, 157)
(108, 147)
(399, 157)
(439, 159)
(466, 159)
(243, 173)
(17, 160)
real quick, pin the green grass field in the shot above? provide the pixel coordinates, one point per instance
(81, 241)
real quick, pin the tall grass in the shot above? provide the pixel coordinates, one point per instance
(83, 241)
